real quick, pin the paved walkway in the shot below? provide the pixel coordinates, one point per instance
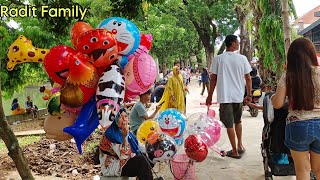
(28, 133)
(249, 167)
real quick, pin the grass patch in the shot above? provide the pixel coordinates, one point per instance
(91, 146)
(23, 141)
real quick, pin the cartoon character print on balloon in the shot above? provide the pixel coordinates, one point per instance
(22, 50)
(172, 122)
(127, 34)
(160, 147)
(101, 47)
(146, 129)
(110, 94)
(72, 70)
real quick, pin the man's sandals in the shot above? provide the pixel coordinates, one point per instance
(240, 152)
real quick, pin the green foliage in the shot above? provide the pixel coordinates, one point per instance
(23, 74)
(91, 146)
(271, 41)
(57, 24)
(131, 8)
(173, 34)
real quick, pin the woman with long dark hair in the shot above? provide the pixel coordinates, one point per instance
(301, 83)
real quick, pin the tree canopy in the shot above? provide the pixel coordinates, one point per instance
(180, 29)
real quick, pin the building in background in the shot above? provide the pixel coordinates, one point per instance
(311, 31)
(306, 20)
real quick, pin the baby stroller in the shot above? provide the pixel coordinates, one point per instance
(277, 160)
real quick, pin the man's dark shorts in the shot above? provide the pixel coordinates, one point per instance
(230, 113)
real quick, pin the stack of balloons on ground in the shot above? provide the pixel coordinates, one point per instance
(172, 134)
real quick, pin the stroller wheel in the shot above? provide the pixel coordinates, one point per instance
(312, 176)
(268, 178)
(267, 172)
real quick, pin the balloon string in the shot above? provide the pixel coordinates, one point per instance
(215, 150)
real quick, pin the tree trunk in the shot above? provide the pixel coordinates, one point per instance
(245, 47)
(164, 69)
(13, 147)
(209, 55)
(222, 48)
(286, 26)
(207, 36)
(199, 62)
(185, 63)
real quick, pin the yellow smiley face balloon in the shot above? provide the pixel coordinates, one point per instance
(146, 129)
(22, 50)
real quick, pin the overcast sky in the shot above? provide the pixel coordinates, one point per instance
(303, 6)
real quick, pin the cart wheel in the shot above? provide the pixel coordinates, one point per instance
(254, 112)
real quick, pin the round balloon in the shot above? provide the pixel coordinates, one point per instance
(196, 148)
(130, 95)
(77, 30)
(22, 50)
(100, 45)
(127, 34)
(172, 122)
(208, 128)
(146, 129)
(140, 73)
(160, 147)
(54, 125)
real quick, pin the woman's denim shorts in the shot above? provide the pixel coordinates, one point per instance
(303, 135)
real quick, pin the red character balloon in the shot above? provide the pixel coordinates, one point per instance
(77, 30)
(56, 63)
(100, 45)
(72, 70)
(81, 82)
